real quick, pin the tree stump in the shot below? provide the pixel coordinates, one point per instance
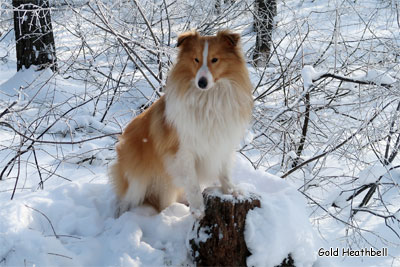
(219, 236)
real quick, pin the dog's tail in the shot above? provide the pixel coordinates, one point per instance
(118, 180)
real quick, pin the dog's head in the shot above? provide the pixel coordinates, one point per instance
(204, 60)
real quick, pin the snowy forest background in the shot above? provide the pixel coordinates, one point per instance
(326, 119)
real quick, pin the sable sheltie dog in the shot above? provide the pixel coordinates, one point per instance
(189, 135)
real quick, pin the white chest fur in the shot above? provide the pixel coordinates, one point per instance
(210, 122)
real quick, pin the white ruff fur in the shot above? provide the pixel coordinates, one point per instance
(208, 121)
(210, 125)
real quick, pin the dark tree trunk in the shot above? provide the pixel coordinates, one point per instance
(218, 3)
(264, 13)
(34, 34)
(217, 6)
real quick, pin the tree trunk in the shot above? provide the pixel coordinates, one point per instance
(34, 34)
(264, 13)
(217, 5)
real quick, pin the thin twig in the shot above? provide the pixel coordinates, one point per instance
(59, 255)
(7, 110)
(47, 218)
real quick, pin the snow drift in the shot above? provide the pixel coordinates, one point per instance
(73, 224)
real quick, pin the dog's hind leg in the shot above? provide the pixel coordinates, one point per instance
(132, 197)
(170, 195)
(135, 194)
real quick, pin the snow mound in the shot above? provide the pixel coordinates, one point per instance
(85, 231)
(74, 224)
(281, 226)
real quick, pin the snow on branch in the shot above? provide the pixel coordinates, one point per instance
(372, 77)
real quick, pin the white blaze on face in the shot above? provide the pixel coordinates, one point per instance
(204, 79)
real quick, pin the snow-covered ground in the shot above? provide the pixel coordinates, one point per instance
(74, 224)
(62, 212)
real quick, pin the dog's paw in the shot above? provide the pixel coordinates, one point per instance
(234, 191)
(237, 192)
(121, 207)
(197, 213)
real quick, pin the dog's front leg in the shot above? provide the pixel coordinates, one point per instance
(225, 178)
(183, 171)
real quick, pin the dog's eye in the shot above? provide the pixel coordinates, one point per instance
(197, 60)
(214, 60)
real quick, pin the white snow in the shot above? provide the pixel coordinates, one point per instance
(372, 173)
(81, 213)
(308, 73)
(88, 234)
(378, 76)
(280, 227)
(39, 87)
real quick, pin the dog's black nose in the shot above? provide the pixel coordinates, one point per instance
(202, 82)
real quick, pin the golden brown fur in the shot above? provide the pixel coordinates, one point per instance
(141, 149)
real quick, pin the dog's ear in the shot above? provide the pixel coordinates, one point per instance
(186, 36)
(231, 38)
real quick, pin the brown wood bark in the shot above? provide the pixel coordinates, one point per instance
(34, 34)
